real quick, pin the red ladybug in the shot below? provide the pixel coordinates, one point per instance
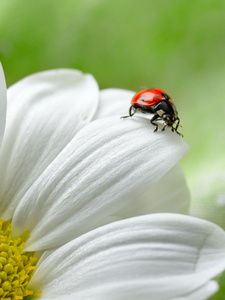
(157, 102)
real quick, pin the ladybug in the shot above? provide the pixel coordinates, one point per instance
(157, 102)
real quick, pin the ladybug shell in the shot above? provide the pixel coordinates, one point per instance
(150, 97)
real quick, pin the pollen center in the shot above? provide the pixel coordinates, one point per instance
(16, 266)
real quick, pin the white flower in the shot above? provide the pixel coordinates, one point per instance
(62, 175)
(68, 165)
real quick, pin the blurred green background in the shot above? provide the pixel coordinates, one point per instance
(177, 45)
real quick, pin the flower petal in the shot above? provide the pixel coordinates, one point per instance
(204, 292)
(113, 102)
(2, 103)
(45, 111)
(169, 194)
(106, 167)
(158, 256)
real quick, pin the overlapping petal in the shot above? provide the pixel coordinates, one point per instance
(45, 111)
(158, 256)
(169, 194)
(2, 103)
(104, 169)
(202, 293)
(113, 102)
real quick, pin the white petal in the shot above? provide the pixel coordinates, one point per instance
(113, 102)
(2, 103)
(45, 111)
(159, 256)
(105, 168)
(169, 194)
(202, 293)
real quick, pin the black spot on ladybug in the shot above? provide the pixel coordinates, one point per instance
(142, 98)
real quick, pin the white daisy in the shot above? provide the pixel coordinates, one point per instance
(62, 175)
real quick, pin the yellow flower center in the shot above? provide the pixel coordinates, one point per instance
(16, 266)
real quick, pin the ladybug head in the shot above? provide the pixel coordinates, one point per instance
(169, 119)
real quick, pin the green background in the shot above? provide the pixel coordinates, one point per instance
(175, 45)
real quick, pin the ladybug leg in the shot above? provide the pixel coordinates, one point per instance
(132, 111)
(155, 117)
(179, 133)
(164, 127)
(177, 127)
(178, 122)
